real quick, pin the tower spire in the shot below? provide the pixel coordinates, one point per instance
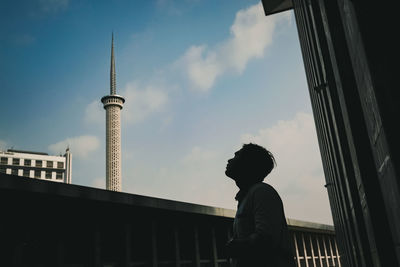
(113, 85)
(113, 104)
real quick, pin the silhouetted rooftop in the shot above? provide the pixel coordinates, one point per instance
(276, 6)
(77, 192)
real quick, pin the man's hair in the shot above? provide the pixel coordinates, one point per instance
(258, 160)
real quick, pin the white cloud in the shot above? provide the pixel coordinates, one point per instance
(291, 139)
(81, 146)
(142, 102)
(202, 67)
(299, 175)
(196, 176)
(251, 33)
(94, 113)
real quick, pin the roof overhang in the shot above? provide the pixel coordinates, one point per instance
(276, 6)
(29, 190)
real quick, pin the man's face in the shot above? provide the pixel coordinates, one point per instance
(234, 168)
(237, 170)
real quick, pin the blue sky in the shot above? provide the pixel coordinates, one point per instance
(200, 78)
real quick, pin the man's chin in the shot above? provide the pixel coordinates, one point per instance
(229, 174)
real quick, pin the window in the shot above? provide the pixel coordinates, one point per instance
(14, 171)
(49, 164)
(39, 163)
(15, 161)
(27, 162)
(26, 173)
(60, 165)
(4, 160)
(37, 174)
(59, 175)
(48, 175)
(2, 170)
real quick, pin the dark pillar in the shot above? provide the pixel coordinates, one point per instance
(97, 247)
(128, 244)
(370, 29)
(177, 249)
(348, 51)
(214, 248)
(196, 246)
(154, 243)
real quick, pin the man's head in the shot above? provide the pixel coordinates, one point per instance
(251, 164)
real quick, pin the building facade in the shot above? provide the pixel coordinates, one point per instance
(37, 165)
(349, 49)
(113, 104)
(101, 228)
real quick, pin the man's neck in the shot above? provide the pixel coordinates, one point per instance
(243, 189)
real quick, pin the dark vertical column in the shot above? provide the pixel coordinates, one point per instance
(337, 253)
(127, 245)
(331, 251)
(196, 246)
(377, 63)
(97, 247)
(352, 185)
(154, 243)
(317, 82)
(357, 162)
(214, 247)
(177, 251)
(304, 250)
(229, 236)
(319, 251)
(340, 151)
(312, 249)
(366, 204)
(325, 251)
(296, 246)
(372, 45)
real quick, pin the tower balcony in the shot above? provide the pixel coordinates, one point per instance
(113, 100)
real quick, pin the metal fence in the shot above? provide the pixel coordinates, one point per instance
(315, 249)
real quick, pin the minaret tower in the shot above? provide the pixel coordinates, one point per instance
(113, 104)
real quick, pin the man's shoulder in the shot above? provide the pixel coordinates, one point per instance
(261, 186)
(264, 189)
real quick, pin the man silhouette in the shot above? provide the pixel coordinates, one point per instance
(260, 234)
